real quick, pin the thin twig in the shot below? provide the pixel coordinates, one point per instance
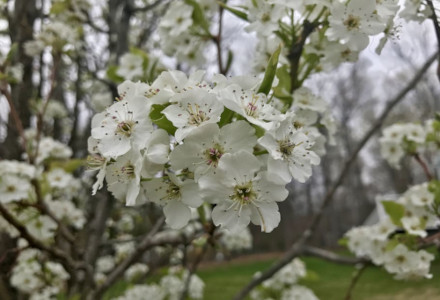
(18, 124)
(437, 30)
(424, 166)
(298, 247)
(150, 240)
(331, 256)
(55, 252)
(357, 275)
(146, 7)
(218, 41)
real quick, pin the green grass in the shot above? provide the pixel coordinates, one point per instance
(330, 283)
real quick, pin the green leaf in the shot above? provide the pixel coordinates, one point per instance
(199, 16)
(343, 241)
(259, 131)
(269, 75)
(112, 75)
(282, 90)
(141, 53)
(392, 244)
(395, 211)
(160, 120)
(229, 61)
(59, 7)
(69, 166)
(226, 117)
(12, 52)
(241, 14)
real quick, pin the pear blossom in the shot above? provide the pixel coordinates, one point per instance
(251, 105)
(121, 126)
(290, 152)
(124, 176)
(241, 194)
(352, 23)
(176, 197)
(205, 146)
(131, 66)
(193, 108)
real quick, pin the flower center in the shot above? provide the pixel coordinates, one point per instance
(173, 191)
(352, 22)
(95, 162)
(11, 188)
(125, 128)
(251, 108)
(196, 115)
(213, 155)
(286, 147)
(243, 193)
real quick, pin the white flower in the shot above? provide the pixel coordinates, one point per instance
(205, 146)
(298, 292)
(236, 240)
(290, 152)
(121, 126)
(130, 66)
(194, 108)
(254, 107)
(413, 226)
(123, 176)
(305, 99)
(136, 270)
(176, 196)
(264, 17)
(59, 179)
(143, 291)
(353, 22)
(177, 19)
(105, 264)
(14, 188)
(241, 195)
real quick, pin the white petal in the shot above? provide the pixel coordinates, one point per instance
(266, 215)
(177, 214)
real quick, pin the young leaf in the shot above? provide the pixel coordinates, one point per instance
(160, 120)
(271, 70)
(395, 210)
(241, 14)
(198, 16)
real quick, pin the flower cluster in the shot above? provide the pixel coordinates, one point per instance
(181, 142)
(170, 287)
(183, 34)
(398, 251)
(284, 284)
(37, 277)
(348, 26)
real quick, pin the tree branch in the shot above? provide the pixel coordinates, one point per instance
(151, 240)
(355, 280)
(298, 247)
(331, 256)
(437, 30)
(146, 7)
(56, 253)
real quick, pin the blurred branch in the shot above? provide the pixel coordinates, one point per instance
(298, 247)
(55, 252)
(146, 7)
(437, 31)
(150, 240)
(18, 124)
(218, 41)
(295, 52)
(92, 24)
(331, 256)
(355, 280)
(424, 166)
